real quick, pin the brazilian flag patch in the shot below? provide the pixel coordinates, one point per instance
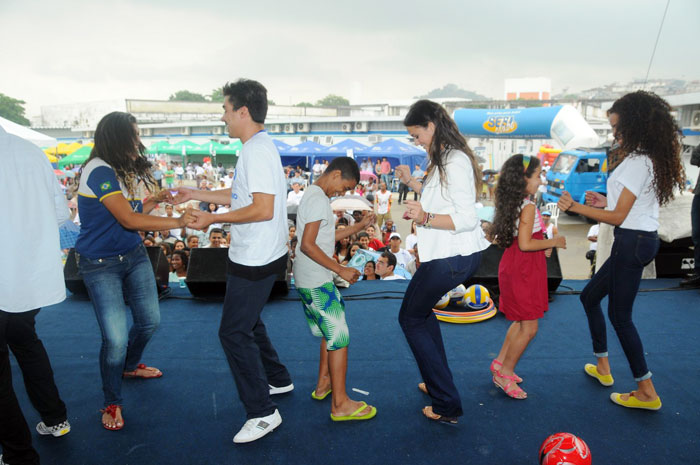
(105, 186)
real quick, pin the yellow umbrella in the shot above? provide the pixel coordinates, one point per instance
(72, 147)
(51, 158)
(62, 149)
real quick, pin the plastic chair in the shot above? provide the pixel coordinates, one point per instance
(554, 210)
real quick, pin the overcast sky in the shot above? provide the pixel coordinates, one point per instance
(75, 51)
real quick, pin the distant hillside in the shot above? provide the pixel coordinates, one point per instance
(452, 91)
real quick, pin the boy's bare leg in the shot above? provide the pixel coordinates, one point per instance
(323, 385)
(338, 366)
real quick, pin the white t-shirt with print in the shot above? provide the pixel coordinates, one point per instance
(635, 173)
(259, 169)
(383, 202)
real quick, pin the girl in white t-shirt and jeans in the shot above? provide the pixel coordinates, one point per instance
(645, 170)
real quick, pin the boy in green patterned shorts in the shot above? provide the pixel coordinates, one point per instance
(323, 305)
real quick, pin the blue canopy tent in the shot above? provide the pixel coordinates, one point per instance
(339, 150)
(281, 145)
(395, 151)
(300, 154)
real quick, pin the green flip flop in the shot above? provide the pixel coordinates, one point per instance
(354, 415)
(314, 396)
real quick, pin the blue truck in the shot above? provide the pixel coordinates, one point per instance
(577, 171)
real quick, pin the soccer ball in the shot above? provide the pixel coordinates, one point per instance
(564, 449)
(457, 294)
(476, 297)
(443, 302)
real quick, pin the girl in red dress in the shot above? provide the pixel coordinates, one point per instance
(522, 272)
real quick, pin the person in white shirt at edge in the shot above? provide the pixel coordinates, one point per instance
(257, 255)
(644, 172)
(295, 195)
(450, 239)
(383, 201)
(385, 266)
(403, 256)
(32, 263)
(550, 229)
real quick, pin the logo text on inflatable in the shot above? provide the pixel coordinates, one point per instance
(500, 124)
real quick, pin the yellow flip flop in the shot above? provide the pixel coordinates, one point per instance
(354, 415)
(633, 402)
(314, 396)
(592, 370)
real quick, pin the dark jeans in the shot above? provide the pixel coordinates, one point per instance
(109, 281)
(619, 279)
(403, 192)
(695, 224)
(253, 360)
(432, 280)
(17, 331)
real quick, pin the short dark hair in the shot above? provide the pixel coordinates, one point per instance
(347, 166)
(391, 259)
(362, 234)
(250, 94)
(216, 230)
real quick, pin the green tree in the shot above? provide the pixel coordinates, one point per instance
(270, 102)
(187, 96)
(453, 91)
(304, 104)
(13, 110)
(331, 100)
(216, 95)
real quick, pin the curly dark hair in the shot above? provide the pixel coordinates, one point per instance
(446, 137)
(645, 125)
(510, 191)
(115, 143)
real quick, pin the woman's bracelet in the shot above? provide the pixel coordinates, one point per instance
(427, 218)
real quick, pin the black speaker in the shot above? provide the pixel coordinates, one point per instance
(74, 282)
(487, 274)
(675, 259)
(206, 275)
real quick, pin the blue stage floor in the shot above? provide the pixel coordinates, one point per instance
(190, 415)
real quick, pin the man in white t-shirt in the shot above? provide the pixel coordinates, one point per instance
(317, 169)
(295, 195)
(179, 174)
(403, 256)
(257, 255)
(385, 266)
(382, 199)
(228, 180)
(177, 232)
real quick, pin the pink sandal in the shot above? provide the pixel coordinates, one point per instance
(516, 392)
(496, 369)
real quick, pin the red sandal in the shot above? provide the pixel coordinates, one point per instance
(154, 372)
(112, 411)
(515, 392)
(496, 368)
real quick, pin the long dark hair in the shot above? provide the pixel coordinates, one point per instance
(115, 143)
(446, 137)
(510, 191)
(645, 125)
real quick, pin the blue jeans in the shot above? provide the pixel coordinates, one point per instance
(252, 358)
(422, 330)
(109, 282)
(619, 279)
(695, 225)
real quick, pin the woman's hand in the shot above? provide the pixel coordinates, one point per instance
(200, 220)
(350, 275)
(414, 211)
(596, 199)
(565, 201)
(548, 252)
(403, 172)
(163, 195)
(187, 218)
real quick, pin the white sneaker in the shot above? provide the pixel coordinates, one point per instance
(281, 390)
(1, 462)
(255, 428)
(55, 431)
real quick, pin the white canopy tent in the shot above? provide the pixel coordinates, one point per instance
(35, 137)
